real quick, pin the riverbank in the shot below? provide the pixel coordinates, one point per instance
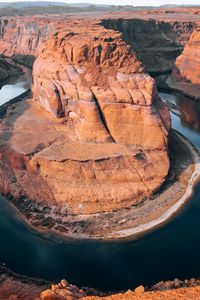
(18, 287)
(171, 211)
(126, 223)
(183, 87)
(24, 287)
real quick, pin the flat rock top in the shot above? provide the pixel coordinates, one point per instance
(85, 151)
(22, 124)
(167, 14)
(24, 121)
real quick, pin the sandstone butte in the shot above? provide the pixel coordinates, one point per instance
(110, 148)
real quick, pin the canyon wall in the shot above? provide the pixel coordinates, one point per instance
(95, 114)
(188, 64)
(186, 74)
(156, 43)
(21, 37)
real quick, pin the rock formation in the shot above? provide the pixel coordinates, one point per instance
(164, 32)
(156, 43)
(189, 61)
(118, 126)
(62, 290)
(19, 287)
(105, 147)
(186, 75)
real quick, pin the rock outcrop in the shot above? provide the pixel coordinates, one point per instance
(182, 293)
(186, 75)
(104, 145)
(17, 287)
(118, 133)
(62, 290)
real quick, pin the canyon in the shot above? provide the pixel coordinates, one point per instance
(89, 152)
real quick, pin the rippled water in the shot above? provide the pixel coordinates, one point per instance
(173, 251)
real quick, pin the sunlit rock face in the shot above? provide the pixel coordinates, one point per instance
(116, 150)
(188, 63)
(186, 74)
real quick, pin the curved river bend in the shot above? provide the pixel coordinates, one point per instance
(172, 251)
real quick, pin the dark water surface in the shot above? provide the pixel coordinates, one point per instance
(173, 251)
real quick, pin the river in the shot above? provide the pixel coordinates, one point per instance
(169, 252)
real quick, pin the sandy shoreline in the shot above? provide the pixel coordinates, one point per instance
(141, 229)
